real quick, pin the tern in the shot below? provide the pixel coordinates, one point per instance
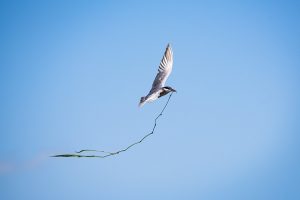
(158, 87)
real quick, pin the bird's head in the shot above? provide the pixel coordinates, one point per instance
(169, 89)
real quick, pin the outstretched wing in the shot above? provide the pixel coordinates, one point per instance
(164, 70)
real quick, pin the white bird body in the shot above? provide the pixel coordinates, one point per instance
(158, 87)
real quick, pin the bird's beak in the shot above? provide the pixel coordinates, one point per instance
(174, 90)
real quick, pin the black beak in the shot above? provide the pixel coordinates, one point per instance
(174, 90)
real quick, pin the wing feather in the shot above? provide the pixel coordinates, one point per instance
(164, 70)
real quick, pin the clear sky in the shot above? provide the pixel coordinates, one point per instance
(72, 74)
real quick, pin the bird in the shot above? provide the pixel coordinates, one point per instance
(158, 86)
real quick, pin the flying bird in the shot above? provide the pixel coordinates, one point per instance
(158, 87)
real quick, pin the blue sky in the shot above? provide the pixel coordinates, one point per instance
(72, 73)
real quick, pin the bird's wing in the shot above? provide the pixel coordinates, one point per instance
(164, 70)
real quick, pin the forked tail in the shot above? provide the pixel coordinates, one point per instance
(142, 101)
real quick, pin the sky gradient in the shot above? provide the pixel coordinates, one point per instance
(72, 74)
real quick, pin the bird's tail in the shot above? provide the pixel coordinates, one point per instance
(142, 101)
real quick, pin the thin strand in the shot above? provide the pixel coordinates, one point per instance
(79, 154)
